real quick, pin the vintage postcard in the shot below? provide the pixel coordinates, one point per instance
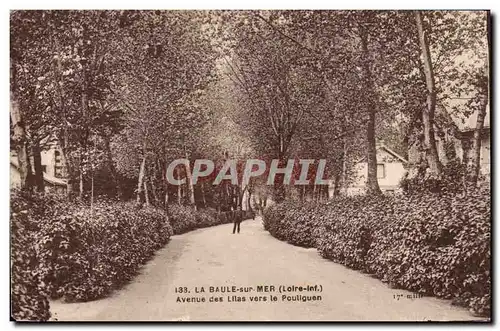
(250, 165)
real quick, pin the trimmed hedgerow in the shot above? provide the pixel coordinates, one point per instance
(440, 248)
(182, 218)
(91, 254)
(87, 253)
(186, 218)
(293, 223)
(345, 235)
(434, 244)
(69, 250)
(28, 292)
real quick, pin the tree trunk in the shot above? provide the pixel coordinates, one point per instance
(166, 199)
(189, 183)
(111, 165)
(227, 202)
(344, 167)
(279, 187)
(70, 171)
(372, 187)
(63, 137)
(249, 201)
(428, 114)
(30, 176)
(146, 195)
(84, 104)
(92, 192)
(81, 183)
(140, 183)
(154, 190)
(444, 155)
(336, 185)
(154, 193)
(81, 172)
(372, 181)
(241, 195)
(19, 135)
(179, 188)
(37, 160)
(475, 160)
(203, 197)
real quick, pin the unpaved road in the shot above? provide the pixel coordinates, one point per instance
(216, 257)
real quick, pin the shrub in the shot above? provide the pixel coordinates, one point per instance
(451, 180)
(186, 218)
(440, 246)
(89, 253)
(292, 224)
(182, 218)
(346, 232)
(81, 253)
(435, 244)
(28, 293)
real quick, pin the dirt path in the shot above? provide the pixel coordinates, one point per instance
(215, 257)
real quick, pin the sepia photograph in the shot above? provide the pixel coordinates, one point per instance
(250, 166)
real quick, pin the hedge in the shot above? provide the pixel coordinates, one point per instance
(69, 250)
(185, 218)
(28, 293)
(434, 244)
(284, 222)
(88, 253)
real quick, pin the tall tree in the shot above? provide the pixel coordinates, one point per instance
(482, 104)
(19, 136)
(428, 114)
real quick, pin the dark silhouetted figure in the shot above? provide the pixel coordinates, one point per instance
(238, 217)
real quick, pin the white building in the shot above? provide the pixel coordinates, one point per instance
(390, 170)
(454, 136)
(54, 173)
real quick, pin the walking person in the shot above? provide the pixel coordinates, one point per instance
(238, 218)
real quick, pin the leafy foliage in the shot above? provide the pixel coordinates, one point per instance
(81, 254)
(435, 244)
(28, 291)
(452, 179)
(87, 254)
(126, 92)
(184, 218)
(294, 224)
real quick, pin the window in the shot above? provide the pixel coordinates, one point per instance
(44, 168)
(58, 165)
(380, 170)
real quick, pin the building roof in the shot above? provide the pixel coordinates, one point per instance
(388, 150)
(459, 121)
(393, 153)
(54, 180)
